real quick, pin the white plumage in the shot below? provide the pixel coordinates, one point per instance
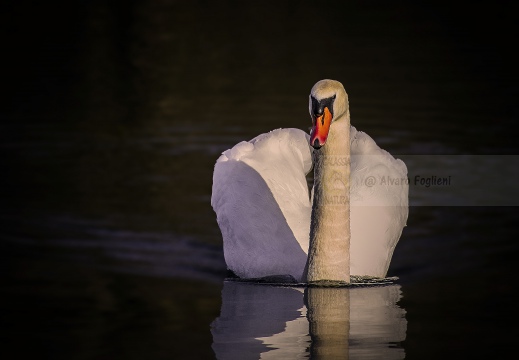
(263, 207)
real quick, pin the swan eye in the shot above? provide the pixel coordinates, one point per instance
(319, 105)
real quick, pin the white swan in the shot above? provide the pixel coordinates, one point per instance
(265, 211)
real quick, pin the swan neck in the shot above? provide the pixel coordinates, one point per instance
(329, 249)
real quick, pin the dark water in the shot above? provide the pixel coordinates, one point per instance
(114, 116)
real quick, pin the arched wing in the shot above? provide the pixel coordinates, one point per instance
(379, 205)
(260, 196)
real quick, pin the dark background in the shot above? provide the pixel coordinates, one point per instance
(113, 114)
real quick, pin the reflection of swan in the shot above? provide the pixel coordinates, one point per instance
(267, 322)
(264, 211)
(376, 322)
(257, 319)
(361, 322)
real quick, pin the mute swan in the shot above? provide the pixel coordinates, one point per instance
(269, 220)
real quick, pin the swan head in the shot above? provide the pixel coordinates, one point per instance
(328, 102)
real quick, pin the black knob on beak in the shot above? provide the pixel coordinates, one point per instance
(319, 105)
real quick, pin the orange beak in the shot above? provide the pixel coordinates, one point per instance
(320, 129)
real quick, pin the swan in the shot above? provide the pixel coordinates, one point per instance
(272, 224)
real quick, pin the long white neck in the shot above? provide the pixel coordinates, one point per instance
(329, 251)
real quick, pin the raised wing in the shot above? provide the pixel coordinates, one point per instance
(260, 196)
(379, 205)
